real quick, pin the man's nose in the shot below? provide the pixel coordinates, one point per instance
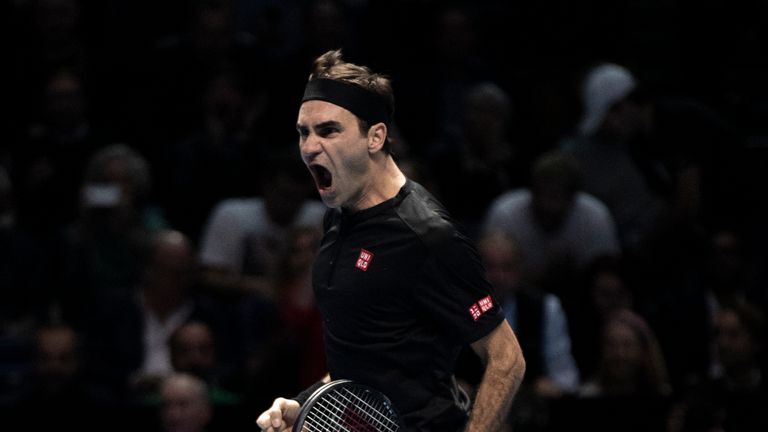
(310, 147)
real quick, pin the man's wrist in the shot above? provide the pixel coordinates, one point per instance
(302, 397)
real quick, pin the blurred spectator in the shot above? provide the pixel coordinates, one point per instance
(630, 391)
(604, 291)
(184, 63)
(658, 162)
(185, 406)
(327, 26)
(24, 301)
(194, 351)
(57, 393)
(685, 316)
(539, 323)
(283, 334)
(537, 317)
(734, 396)
(611, 119)
(49, 37)
(726, 268)
(102, 250)
(23, 273)
(484, 162)
(446, 47)
(215, 158)
(129, 336)
(559, 228)
(631, 362)
(51, 155)
(245, 236)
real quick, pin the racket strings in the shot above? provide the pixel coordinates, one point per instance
(351, 416)
(373, 412)
(348, 412)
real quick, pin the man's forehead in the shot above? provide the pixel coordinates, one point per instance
(316, 111)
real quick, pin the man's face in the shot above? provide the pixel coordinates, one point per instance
(335, 152)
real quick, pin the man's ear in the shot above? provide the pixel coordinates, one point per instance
(377, 137)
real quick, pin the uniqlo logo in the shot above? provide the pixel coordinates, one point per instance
(482, 306)
(364, 260)
(485, 304)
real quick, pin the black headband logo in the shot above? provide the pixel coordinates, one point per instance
(367, 105)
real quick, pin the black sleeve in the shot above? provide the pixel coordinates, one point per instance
(454, 291)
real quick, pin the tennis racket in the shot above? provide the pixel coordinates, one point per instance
(346, 406)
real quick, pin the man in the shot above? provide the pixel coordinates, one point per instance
(130, 336)
(559, 228)
(611, 123)
(400, 289)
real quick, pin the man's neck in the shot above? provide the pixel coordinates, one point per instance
(385, 181)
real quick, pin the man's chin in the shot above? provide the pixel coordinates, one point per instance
(330, 199)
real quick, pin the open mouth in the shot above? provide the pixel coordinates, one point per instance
(323, 177)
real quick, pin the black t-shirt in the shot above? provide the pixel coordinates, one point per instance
(401, 290)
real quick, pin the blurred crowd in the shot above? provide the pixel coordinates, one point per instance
(157, 227)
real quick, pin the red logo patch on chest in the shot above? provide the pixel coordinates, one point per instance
(364, 260)
(482, 306)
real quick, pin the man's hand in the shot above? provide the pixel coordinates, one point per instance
(279, 417)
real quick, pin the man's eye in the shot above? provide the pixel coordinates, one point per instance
(328, 131)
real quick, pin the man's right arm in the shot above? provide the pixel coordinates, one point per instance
(504, 370)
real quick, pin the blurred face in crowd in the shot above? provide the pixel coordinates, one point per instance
(65, 102)
(57, 357)
(502, 261)
(170, 271)
(486, 117)
(336, 153)
(192, 350)
(551, 203)
(628, 119)
(609, 294)
(185, 406)
(622, 352)
(732, 340)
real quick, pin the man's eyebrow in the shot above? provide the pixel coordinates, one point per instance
(327, 124)
(322, 125)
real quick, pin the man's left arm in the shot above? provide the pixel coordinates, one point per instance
(504, 370)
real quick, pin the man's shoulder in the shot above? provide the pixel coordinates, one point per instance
(426, 217)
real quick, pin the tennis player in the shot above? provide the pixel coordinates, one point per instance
(401, 289)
